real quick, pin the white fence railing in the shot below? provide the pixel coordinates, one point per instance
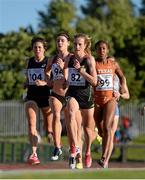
(13, 120)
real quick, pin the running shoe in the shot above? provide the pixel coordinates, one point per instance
(72, 162)
(79, 165)
(56, 154)
(99, 139)
(33, 159)
(88, 161)
(101, 162)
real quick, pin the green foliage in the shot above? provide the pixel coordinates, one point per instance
(111, 20)
(59, 16)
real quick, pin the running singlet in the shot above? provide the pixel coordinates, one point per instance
(75, 79)
(103, 92)
(36, 70)
(79, 87)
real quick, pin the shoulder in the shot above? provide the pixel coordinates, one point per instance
(90, 59)
(30, 60)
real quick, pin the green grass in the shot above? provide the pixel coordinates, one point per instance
(76, 174)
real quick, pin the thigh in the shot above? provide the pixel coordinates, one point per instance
(55, 104)
(47, 118)
(98, 114)
(72, 105)
(109, 111)
(31, 109)
(88, 117)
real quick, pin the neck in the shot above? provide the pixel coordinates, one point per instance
(103, 59)
(39, 58)
(63, 54)
(80, 56)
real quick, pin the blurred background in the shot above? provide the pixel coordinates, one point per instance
(120, 22)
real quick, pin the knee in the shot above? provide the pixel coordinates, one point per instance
(108, 130)
(56, 116)
(71, 114)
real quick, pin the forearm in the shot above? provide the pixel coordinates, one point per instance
(88, 77)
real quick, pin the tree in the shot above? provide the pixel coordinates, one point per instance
(116, 22)
(12, 62)
(59, 16)
(142, 9)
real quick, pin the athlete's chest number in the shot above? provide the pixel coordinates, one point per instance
(57, 71)
(75, 77)
(103, 82)
(34, 74)
(34, 77)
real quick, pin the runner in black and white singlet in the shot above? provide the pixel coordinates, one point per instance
(81, 78)
(35, 71)
(37, 96)
(79, 87)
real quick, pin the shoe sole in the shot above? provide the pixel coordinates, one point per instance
(33, 163)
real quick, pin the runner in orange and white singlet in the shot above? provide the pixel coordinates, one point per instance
(105, 102)
(105, 74)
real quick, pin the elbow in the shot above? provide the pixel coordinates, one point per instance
(127, 97)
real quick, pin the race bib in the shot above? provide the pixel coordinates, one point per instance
(75, 79)
(34, 74)
(57, 72)
(105, 82)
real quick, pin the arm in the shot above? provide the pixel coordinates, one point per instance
(25, 84)
(47, 80)
(121, 77)
(124, 95)
(92, 77)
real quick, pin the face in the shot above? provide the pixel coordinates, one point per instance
(102, 50)
(38, 49)
(62, 43)
(79, 45)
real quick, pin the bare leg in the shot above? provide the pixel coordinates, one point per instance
(56, 107)
(114, 128)
(72, 109)
(48, 119)
(31, 113)
(89, 126)
(108, 117)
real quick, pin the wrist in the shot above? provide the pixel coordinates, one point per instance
(79, 69)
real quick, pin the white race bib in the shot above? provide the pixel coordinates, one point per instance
(75, 78)
(34, 74)
(105, 82)
(57, 72)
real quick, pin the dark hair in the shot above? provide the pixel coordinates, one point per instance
(65, 34)
(39, 39)
(101, 42)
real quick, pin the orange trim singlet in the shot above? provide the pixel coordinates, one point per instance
(103, 92)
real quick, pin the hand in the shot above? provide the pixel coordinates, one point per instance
(60, 62)
(40, 82)
(76, 64)
(116, 94)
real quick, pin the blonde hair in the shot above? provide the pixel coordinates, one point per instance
(87, 41)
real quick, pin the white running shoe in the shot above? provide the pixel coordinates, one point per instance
(56, 154)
